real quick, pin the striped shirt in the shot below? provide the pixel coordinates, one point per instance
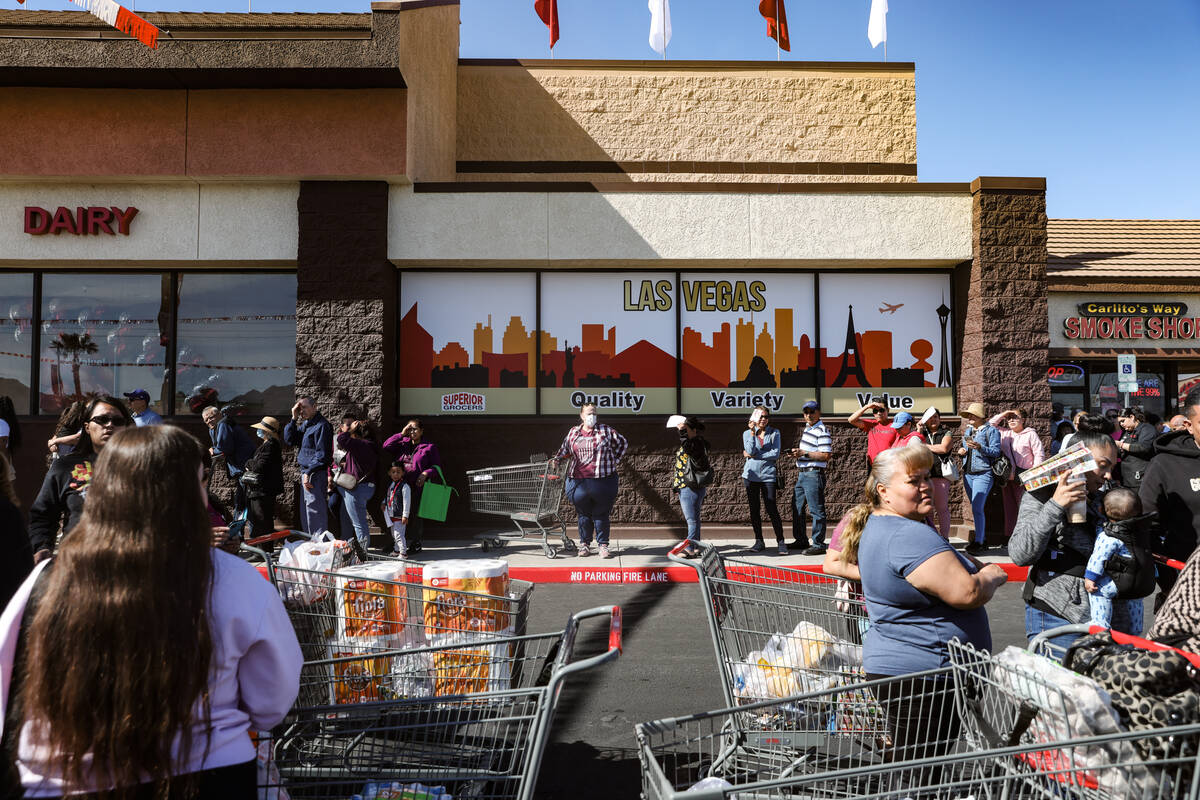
(815, 439)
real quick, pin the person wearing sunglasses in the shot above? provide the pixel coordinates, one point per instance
(60, 501)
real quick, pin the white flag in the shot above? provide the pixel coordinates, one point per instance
(877, 27)
(660, 25)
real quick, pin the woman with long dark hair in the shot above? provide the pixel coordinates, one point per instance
(148, 655)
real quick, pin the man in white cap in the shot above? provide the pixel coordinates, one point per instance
(812, 459)
(980, 447)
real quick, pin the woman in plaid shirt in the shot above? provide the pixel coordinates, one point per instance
(592, 484)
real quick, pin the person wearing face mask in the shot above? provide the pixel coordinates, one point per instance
(267, 465)
(1056, 544)
(761, 446)
(592, 485)
(64, 490)
(693, 472)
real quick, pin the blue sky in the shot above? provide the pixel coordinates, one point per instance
(1101, 97)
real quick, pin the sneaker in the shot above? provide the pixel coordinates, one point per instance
(975, 548)
(815, 550)
(584, 549)
(757, 547)
(604, 553)
(404, 554)
(691, 552)
(797, 545)
(783, 549)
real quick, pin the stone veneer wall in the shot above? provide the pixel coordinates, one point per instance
(345, 302)
(636, 114)
(1004, 350)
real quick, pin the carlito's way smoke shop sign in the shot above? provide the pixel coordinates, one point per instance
(79, 220)
(1123, 321)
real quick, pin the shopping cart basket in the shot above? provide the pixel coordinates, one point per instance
(529, 495)
(336, 614)
(476, 744)
(763, 617)
(711, 757)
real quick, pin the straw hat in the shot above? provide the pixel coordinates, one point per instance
(270, 425)
(975, 410)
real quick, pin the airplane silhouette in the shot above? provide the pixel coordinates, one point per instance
(888, 308)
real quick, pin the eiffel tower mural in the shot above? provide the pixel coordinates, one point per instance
(849, 369)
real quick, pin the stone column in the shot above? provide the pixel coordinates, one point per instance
(345, 299)
(1002, 301)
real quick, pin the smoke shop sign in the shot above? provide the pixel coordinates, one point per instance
(1078, 320)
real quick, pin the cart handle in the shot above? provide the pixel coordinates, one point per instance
(1117, 636)
(614, 644)
(247, 547)
(1168, 562)
(679, 548)
(276, 536)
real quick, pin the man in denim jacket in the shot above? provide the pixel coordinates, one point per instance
(980, 448)
(313, 434)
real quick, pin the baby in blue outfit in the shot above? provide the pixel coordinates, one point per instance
(1119, 505)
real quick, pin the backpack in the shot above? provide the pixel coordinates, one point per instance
(1134, 576)
(697, 469)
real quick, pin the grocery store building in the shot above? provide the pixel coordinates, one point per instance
(338, 205)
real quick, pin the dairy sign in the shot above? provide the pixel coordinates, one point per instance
(1130, 321)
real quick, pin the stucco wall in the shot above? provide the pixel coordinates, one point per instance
(218, 222)
(900, 229)
(710, 113)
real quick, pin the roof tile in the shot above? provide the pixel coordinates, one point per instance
(1155, 248)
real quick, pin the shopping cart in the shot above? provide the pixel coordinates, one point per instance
(336, 614)
(704, 757)
(759, 615)
(468, 720)
(528, 494)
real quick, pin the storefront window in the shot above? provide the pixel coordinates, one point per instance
(103, 334)
(236, 342)
(16, 337)
(1189, 379)
(1104, 394)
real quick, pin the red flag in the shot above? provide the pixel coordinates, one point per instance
(775, 14)
(548, 11)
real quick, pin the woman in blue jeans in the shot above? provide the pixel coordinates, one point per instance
(691, 497)
(592, 485)
(362, 458)
(980, 447)
(761, 445)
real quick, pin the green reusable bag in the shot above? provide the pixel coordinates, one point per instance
(435, 499)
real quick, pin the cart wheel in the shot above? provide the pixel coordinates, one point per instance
(485, 545)
(499, 543)
(569, 546)
(551, 552)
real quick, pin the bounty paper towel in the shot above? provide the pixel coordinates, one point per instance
(466, 596)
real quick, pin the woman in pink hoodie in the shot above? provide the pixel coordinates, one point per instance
(1023, 447)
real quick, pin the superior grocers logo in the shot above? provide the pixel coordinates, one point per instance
(464, 401)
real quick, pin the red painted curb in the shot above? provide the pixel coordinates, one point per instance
(672, 574)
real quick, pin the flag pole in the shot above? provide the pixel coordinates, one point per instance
(778, 56)
(663, 8)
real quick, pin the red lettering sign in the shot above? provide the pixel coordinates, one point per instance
(1131, 327)
(80, 221)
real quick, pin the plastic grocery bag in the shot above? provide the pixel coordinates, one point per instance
(270, 785)
(304, 570)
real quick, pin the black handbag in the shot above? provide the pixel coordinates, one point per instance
(1001, 469)
(698, 472)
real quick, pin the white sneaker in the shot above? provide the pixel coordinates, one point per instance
(584, 550)
(604, 551)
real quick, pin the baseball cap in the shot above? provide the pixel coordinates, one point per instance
(138, 394)
(902, 419)
(810, 405)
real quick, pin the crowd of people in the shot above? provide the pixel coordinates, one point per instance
(125, 505)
